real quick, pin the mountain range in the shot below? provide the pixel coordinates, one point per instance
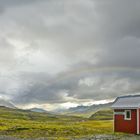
(85, 111)
(39, 110)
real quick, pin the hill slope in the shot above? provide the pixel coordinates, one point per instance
(106, 114)
(9, 113)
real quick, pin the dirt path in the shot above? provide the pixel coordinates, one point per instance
(97, 137)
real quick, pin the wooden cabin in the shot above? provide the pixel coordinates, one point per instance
(127, 114)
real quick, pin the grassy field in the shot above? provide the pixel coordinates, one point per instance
(106, 114)
(58, 129)
(27, 124)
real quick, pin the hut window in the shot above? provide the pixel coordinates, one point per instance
(127, 114)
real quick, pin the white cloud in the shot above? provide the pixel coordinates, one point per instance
(87, 81)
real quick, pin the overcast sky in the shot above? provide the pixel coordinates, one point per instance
(68, 52)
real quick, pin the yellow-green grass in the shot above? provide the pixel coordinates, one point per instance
(34, 129)
(26, 124)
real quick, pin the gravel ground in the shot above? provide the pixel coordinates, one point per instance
(111, 137)
(97, 137)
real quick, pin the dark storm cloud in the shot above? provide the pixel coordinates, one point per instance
(120, 26)
(70, 50)
(41, 88)
(88, 84)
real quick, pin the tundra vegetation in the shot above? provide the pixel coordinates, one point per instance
(27, 124)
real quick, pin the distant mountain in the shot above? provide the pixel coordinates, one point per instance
(39, 110)
(89, 108)
(85, 111)
(20, 114)
(6, 103)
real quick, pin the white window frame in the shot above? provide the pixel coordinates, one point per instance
(125, 116)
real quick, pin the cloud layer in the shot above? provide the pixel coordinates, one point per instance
(54, 52)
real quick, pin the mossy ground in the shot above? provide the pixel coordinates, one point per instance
(26, 124)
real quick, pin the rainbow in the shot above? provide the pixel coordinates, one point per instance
(75, 72)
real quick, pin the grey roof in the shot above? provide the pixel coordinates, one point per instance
(129, 101)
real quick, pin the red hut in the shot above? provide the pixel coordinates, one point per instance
(127, 114)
